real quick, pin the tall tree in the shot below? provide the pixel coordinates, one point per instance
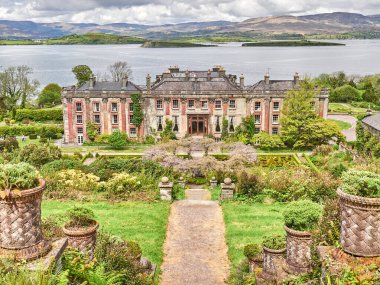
(82, 73)
(50, 95)
(119, 69)
(138, 115)
(16, 87)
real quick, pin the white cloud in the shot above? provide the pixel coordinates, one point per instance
(171, 11)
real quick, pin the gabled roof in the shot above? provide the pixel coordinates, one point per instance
(373, 121)
(110, 86)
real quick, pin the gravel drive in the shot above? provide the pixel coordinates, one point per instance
(349, 133)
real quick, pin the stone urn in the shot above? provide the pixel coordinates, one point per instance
(360, 227)
(82, 238)
(20, 225)
(298, 250)
(269, 256)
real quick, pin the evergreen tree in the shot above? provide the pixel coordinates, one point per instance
(138, 115)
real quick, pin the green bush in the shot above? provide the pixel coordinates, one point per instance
(345, 93)
(268, 142)
(8, 144)
(38, 155)
(32, 136)
(61, 164)
(252, 250)
(121, 185)
(302, 215)
(361, 183)
(19, 176)
(28, 130)
(249, 184)
(275, 242)
(39, 115)
(338, 170)
(118, 140)
(80, 217)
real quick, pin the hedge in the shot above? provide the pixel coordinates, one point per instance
(39, 115)
(28, 130)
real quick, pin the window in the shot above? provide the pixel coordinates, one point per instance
(257, 106)
(276, 106)
(114, 107)
(131, 119)
(232, 104)
(79, 119)
(175, 123)
(159, 104)
(175, 104)
(78, 106)
(204, 104)
(159, 123)
(218, 104)
(97, 107)
(257, 130)
(217, 127)
(257, 119)
(80, 130)
(274, 131)
(97, 119)
(132, 132)
(231, 127)
(99, 131)
(130, 107)
(275, 119)
(191, 104)
(114, 119)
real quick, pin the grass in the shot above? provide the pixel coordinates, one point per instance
(249, 223)
(342, 125)
(345, 108)
(139, 221)
(27, 142)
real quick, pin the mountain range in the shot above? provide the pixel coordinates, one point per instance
(328, 24)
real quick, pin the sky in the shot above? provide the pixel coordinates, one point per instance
(171, 11)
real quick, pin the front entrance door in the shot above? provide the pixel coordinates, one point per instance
(198, 125)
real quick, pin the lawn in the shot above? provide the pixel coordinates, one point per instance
(342, 125)
(138, 221)
(249, 223)
(345, 108)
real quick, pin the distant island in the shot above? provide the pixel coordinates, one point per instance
(290, 44)
(173, 44)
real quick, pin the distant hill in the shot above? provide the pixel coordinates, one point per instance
(338, 24)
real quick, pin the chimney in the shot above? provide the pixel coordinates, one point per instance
(124, 82)
(241, 80)
(296, 78)
(174, 69)
(91, 82)
(148, 84)
(222, 72)
(266, 78)
(209, 75)
(187, 75)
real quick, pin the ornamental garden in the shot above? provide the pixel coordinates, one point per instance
(300, 207)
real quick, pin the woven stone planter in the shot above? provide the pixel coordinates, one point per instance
(255, 263)
(83, 239)
(360, 228)
(269, 255)
(298, 252)
(20, 225)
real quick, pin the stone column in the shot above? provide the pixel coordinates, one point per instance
(166, 188)
(227, 189)
(213, 182)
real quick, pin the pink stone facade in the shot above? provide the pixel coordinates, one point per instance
(196, 102)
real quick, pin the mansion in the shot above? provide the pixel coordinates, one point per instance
(196, 102)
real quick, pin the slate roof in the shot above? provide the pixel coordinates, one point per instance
(110, 86)
(373, 121)
(274, 85)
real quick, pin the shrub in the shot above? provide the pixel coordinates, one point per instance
(9, 144)
(361, 183)
(80, 217)
(61, 164)
(39, 115)
(19, 176)
(39, 155)
(28, 130)
(302, 215)
(51, 227)
(149, 140)
(252, 251)
(118, 140)
(268, 141)
(345, 93)
(249, 184)
(324, 149)
(338, 170)
(121, 185)
(275, 242)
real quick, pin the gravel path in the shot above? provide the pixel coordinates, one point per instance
(349, 133)
(195, 248)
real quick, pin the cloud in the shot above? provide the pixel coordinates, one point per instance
(171, 11)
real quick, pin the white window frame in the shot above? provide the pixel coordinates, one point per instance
(278, 106)
(78, 104)
(188, 104)
(257, 109)
(206, 107)
(259, 121)
(175, 106)
(159, 104)
(218, 102)
(275, 121)
(96, 107)
(95, 116)
(79, 119)
(114, 104)
(232, 104)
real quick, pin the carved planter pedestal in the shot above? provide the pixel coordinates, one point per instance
(360, 228)
(269, 257)
(20, 225)
(255, 263)
(84, 239)
(166, 189)
(298, 252)
(227, 189)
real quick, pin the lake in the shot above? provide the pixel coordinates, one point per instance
(54, 63)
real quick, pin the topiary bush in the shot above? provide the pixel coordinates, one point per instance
(19, 176)
(80, 217)
(361, 183)
(302, 215)
(252, 251)
(275, 242)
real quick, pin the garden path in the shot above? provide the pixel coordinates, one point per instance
(195, 248)
(351, 132)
